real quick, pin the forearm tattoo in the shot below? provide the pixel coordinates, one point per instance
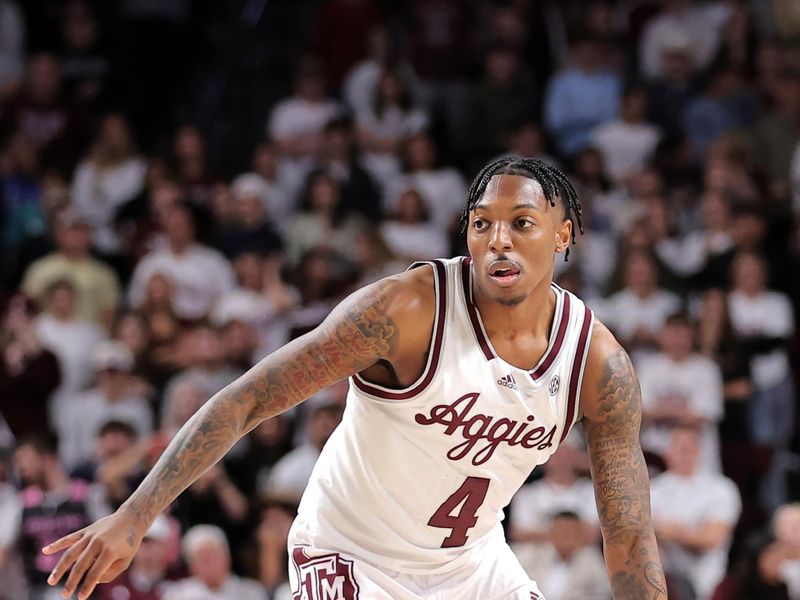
(356, 334)
(622, 487)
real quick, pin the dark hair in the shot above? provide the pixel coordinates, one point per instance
(555, 185)
(117, 427)
(404, 101)
(679, 319)
(44, 444)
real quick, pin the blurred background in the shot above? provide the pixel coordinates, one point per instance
(185, 185)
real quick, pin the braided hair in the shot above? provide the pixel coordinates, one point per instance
(555, 185)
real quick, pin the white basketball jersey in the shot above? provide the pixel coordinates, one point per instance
(414, 479)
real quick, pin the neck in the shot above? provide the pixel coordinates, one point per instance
(55, 480)
(74, 255)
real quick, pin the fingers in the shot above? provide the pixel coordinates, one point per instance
(99, 567)
(66, 561)
(80, 567)
(64, 542)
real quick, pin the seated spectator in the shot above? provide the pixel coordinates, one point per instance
(528, 140)
(560, 490)
(694, 514)
(680, 387)
(111, 399)
(637, 312)
(388, 120)
(443, 188)
(71, 339)
(180, 402)
(84, 59)
(109, 177)
(198, 274)
(758, 575)
(147, 577)
(567, 566)
(580, 97)
(272, 537)
(289, 476)
(192, 164)
(409, 233)
(28, 372)
(323, 221)
(267, 177)
(628, 143)
(95, 283)
(266, 445)
(51, 505)
(786, 528)
(206, 551)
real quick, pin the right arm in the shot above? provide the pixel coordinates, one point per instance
(362, 330)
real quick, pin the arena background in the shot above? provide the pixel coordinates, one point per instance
(186, 185)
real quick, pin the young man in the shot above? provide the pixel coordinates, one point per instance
(466, 374)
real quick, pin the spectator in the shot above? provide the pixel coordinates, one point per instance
(111, 399)
(638, 311)
(694, 513)
(95, 284)
(85, 64)
(560, 490)
(267, 177)
(503, 100)
(181, 401)
(528, 140)
(580, 97)
(267, 444)
(409, 233)
(251, 230)
(198, 274)
(567, 566)
(786, 528)
(206, 551)
(191, 163)
(758, 576)
(272, 537)
(443, 188)
(72, 340)
(701, 24)
(680, 387)
(28, 372)
(628, 143)
(146, 579)
(289, 476)
(385, 122)
(51, 505)
(110, 176)
(296, 123)
(13, 582)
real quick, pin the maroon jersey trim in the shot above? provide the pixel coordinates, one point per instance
(558, 329)
(436, 346)
(576, 375)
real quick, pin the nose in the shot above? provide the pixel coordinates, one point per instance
(500, 240)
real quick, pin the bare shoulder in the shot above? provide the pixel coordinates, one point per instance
(610, 387)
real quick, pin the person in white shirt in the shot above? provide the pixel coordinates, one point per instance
(627, 143)
(198, 274)
(109, 177)
(535, 504)
(680, 387)
(290, 475)
(409, 232)
(207, 553)
(694, 514)
(111, 399)
(637, 312)
(568, 566)
(71, 339)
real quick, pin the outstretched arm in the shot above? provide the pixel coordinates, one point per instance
(359, 332)
(612, 408)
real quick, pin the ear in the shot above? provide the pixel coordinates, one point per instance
(563, 236)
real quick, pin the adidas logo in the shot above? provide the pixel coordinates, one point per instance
(508, 381)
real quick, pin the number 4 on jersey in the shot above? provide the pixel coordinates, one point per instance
(471, 494)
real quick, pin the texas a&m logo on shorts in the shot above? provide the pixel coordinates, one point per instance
(325, 577)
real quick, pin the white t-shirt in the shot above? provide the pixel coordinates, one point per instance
(625, 312)
(626, 147)
(298, 117)
(694, 501)
(694, 384)
(418, 241)
(199, 276)
(88, 412)
(443, 190)
(768, 314)
(235, 588)
(688, 254)
(535, 504)
(291, 473)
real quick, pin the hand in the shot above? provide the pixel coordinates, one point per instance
(100, 552)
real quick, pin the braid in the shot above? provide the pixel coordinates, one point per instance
(555, 185)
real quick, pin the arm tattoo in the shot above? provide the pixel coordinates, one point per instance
(622, 486)
(355, 335)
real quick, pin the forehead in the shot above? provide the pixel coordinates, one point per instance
(507, 191)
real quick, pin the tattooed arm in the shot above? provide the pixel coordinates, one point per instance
(612, 413)
(362, 330)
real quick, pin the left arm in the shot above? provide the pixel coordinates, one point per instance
(612, 408)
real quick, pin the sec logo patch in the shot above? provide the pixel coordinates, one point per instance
(555, 383)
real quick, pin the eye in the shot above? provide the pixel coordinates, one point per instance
(524, 223)
(479, 224)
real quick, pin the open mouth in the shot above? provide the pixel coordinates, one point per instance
(504, 272)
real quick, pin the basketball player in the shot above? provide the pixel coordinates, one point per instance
(465, 375)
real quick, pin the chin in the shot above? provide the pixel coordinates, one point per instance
(511, 299)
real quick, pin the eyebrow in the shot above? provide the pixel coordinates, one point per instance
(515, 207)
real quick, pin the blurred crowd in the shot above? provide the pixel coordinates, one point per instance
(187, 185)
